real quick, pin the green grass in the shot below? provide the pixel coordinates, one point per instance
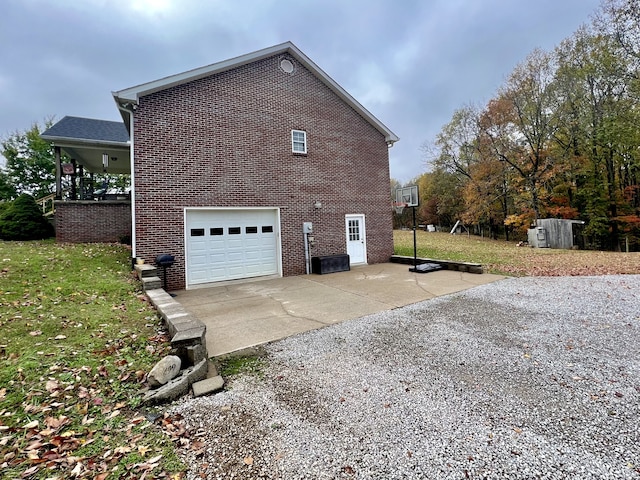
(501, 257)
(76, 338)
(232, 365)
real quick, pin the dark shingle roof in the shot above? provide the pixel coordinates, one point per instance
(88, 129)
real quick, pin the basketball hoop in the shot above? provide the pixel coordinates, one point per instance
(399, 207)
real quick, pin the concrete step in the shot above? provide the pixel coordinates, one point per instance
(208, 385)
(145, 270)
(151, 283)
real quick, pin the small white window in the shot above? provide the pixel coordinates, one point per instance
(298, 141)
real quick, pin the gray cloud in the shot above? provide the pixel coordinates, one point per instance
(410, 62)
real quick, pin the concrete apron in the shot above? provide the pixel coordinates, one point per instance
(247, 314)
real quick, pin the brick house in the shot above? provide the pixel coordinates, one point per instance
(231, 162)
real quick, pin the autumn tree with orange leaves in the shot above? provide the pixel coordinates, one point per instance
(561, 138)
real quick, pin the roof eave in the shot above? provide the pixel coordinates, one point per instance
(69, 141)
(133, 94)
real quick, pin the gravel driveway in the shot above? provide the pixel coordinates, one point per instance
(523, 378)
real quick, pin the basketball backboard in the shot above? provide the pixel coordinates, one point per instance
(408, 195)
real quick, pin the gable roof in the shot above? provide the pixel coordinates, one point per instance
(131, 96)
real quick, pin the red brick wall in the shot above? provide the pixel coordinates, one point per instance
(225, 141)
(91, 222)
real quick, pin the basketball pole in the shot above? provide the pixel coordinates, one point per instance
(415, 247)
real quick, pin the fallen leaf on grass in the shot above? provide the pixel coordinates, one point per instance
(77, 470)
(32, 424)
(51, 386)
(29, 472)
(56, 423)
(143, 449)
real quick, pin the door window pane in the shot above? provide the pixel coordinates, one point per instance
(354, 230)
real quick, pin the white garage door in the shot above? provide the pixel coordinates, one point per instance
(231, 244)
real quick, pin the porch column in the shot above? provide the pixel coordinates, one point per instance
(74, 191)
(56, 151)
(81, 183)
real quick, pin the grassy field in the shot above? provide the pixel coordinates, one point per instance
(507, 258)
(77, 337)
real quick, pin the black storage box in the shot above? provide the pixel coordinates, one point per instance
(330, 264)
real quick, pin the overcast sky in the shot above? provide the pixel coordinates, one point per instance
(409, 62)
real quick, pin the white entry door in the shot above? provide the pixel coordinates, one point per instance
(356, 239)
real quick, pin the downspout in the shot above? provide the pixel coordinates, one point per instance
(133, 185)
(56, 151)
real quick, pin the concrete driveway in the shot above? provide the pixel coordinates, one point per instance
(247, 314)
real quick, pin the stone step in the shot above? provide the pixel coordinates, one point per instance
(208, 385)
(145, 270)
(151, 283)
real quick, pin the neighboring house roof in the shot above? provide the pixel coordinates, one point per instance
(131, 96)
(87, 140)
(88, 130)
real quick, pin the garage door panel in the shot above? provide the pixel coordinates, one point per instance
(231, 244)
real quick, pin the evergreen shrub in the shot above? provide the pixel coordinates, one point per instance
(23, 220)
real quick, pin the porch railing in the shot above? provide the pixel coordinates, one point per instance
(47, 204)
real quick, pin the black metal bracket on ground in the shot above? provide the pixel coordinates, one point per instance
(445, 264)
(426, 268)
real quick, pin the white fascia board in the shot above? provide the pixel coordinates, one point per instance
(133, 94)
(70, 142)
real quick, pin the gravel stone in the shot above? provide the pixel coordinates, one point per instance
(533, 377)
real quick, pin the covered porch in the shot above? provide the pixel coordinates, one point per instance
(85, 209)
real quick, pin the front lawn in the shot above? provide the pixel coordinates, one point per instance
(77, 337)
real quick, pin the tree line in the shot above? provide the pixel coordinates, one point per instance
(561, 139)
